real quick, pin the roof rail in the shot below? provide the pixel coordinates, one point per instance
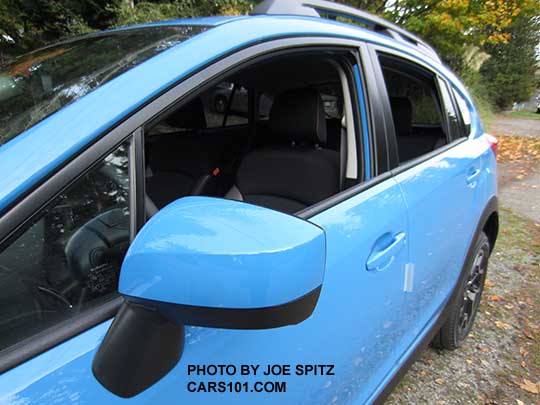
(313, 8)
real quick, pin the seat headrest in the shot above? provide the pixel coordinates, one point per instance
(189, 116)
(298, 115)
(402, 113)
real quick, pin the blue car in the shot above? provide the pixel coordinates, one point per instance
(303, 247)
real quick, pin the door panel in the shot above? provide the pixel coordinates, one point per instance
(367, 303)
(357, 326)
(443, 205)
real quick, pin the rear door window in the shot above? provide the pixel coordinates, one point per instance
(416, 103)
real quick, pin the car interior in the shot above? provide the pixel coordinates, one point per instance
(271, 134)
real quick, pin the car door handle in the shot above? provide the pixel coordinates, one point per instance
(382, 257)
(472, 174)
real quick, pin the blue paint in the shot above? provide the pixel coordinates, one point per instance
(212, 252)
(364, 121)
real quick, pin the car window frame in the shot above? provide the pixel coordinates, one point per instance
(394, 166)
(30, 202)
(460, 127)
(454, 93)
(35, 202)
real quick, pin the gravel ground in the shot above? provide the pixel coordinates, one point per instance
(504, 124)
(499, 362)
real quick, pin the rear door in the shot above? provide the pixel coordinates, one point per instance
(438, 172)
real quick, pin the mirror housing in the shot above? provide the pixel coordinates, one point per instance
(221, 263)
(207, 262)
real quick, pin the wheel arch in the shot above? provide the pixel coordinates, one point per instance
(491, 228)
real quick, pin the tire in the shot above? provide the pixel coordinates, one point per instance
(463, 309)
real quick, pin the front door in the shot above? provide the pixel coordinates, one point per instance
(354, 332)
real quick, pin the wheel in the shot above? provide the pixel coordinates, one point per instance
(463, 310)
(220, 104)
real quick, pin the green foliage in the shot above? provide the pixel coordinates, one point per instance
(479, 92)
(507, 30)
(509, 75)
(453, 26)
(28, 24)
(147, 11)
(25, 25)
(525, 114)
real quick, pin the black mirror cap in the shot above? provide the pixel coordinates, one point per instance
(289, 313)
(140, 348)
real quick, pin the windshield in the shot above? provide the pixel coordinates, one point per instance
(37, 84)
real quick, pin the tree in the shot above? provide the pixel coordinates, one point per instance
(147, 11)
(451, 26)
(25, 25)
(509, 75)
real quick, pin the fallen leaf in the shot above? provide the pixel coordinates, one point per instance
(528, 334)
(502, 325)
(439, 381)
(489, 283)
(483, 349)
(513, 148)
(519, 402)
(469, 361)
(495, 297)
(529, 386)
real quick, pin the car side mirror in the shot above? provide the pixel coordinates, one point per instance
(207, 262)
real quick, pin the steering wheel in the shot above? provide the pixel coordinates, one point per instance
(95, 251)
